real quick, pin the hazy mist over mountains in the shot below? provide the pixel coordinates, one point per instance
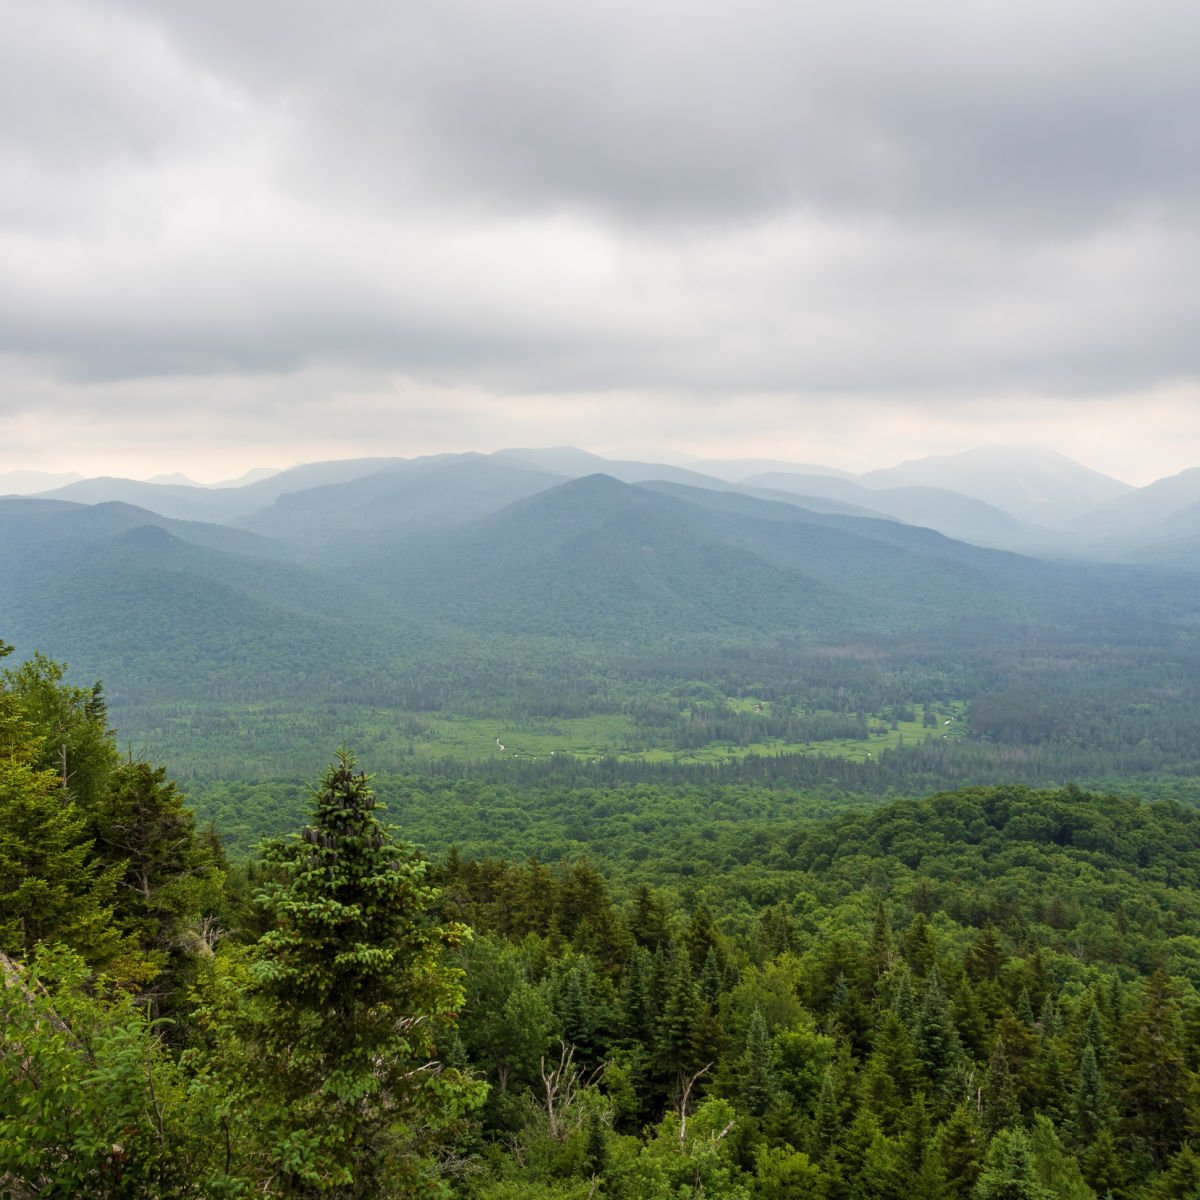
(331, 559)
(1030, 500)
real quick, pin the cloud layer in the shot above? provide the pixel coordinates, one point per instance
(442, 225)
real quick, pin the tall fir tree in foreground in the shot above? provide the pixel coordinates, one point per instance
(350, 996)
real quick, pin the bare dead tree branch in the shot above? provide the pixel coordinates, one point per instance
(561, 1086)
(685, 1097)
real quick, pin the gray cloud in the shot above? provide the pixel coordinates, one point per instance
(712, 209)
(1016, 114)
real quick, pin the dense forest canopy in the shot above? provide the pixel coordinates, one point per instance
(711, 988)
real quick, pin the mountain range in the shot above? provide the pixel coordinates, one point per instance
(379, 562)
(562, 541)
(1029, 500)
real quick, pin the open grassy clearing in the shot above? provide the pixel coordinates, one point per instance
(270, 739)
(615, 735)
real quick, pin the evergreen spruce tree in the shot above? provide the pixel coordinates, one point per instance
(880, 1174)
(883, 951)
(1159, 1089)
(1052, 1089)
(1181, 1179)
(776, 931)
(708, 1042)
(986, 955)
(1095, 1033)
(919, 949)
(1103, 1164)
(595, 1151)
(712, 977)
(916, 1136)
(969, 1017)
(904, 1003)
(674, 1045)
(756, 1081)
(936, 1042)
(1009, 1171)
(892, 1070)
(1089, 1107)
(51, 887)
(577, 1012)
(1025, 1009)
(959, 1144)
(701, 938)
(1050, 1019)
(1000, 1107)
(1056, 1170)
(648, 923)
(168, 876)
(350, 997)
(637, 999)
(827, 1120)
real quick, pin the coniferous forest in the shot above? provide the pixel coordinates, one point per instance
(990, 992)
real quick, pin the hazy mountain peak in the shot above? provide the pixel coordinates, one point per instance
(1030, 482)
(176, 477)
(565, 460)
(24, 483)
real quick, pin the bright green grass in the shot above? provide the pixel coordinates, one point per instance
(265, 740)
(611, 735)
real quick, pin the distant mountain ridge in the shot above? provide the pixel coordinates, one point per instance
(1029, 500)
(949, 512)
(371, 582)
(1033, 484)
(193, 502)
(28, 483)
(425, 492)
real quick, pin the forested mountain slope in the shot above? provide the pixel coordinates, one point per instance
(185, 609)
(419, 600)
(422, 494)
(948, 512)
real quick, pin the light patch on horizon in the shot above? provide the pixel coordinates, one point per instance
(183, 423)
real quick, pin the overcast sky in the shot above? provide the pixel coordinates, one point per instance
(243, 233)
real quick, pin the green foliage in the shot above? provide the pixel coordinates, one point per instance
(757, 1075)
(350, 995)
(1010, 1170)
(52, 889)
(96, 853)
(91, 1102)
(168, 877)
(69, 726)
(1160, 1087)
(1180, 1180)
(742, 991)
(1056, 1170)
